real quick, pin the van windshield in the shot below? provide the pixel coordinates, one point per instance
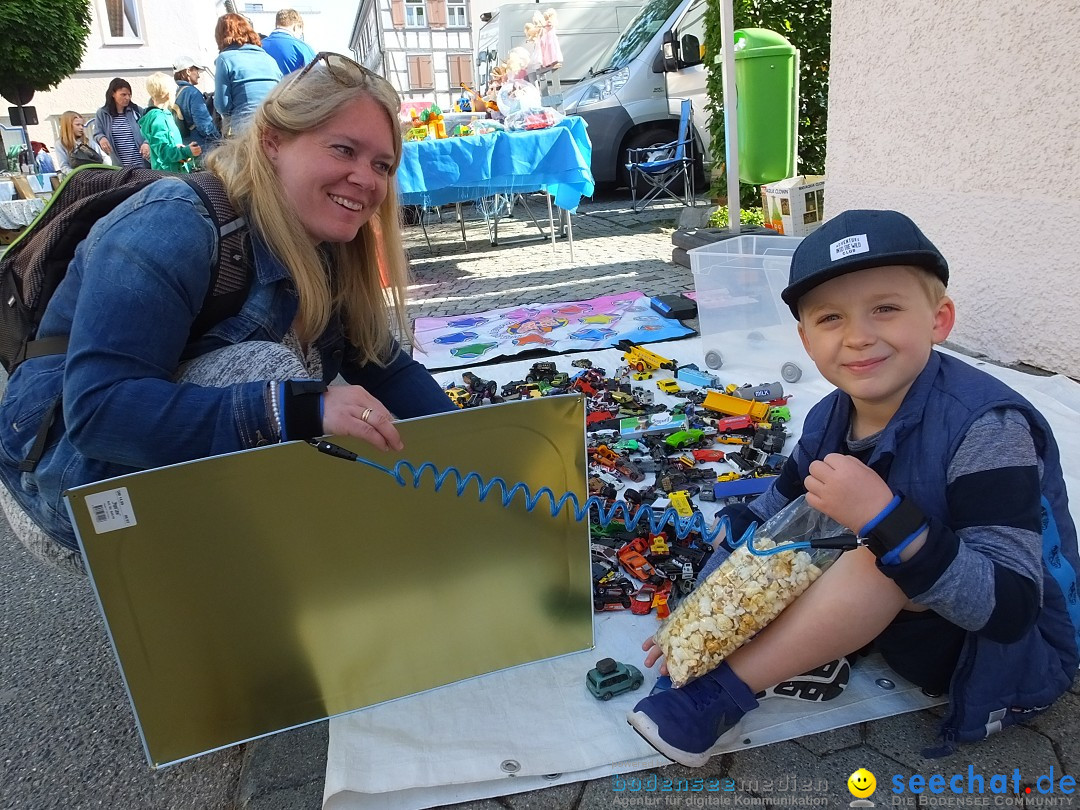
(633, 40)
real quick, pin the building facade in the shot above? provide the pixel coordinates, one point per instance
(129, 39)
(423, 47)
(974, 135)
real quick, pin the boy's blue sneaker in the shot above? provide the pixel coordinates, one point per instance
(683, 724)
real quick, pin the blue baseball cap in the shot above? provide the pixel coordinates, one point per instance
(856, 240)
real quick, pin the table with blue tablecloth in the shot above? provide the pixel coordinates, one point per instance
(454, 170)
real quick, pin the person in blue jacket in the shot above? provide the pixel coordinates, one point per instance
(285, 42)
(244, 74)
(966, 576)
(314, 177)
(193, 117)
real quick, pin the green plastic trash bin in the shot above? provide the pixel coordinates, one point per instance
(767, 83)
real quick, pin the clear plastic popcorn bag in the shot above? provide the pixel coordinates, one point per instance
(746, 592)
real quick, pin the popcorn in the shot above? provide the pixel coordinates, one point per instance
(734, 603)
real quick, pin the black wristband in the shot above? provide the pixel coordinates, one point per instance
(301, 409)
(896, 527)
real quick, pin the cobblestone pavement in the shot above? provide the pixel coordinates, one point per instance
(68, 736)
(615, 250)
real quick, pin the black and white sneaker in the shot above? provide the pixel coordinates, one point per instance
(827, 682)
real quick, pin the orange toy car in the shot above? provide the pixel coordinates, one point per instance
(635, 564)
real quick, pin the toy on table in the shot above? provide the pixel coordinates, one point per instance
(533, 29)
(435, 123)
(517, 64)
(550, 52)
(517, 95)
(486, 126)
(541, 118)
(476, 102)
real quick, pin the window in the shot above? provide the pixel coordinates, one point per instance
(421, 75)
(460, 67)
(253, 6)
(692, 24)
(415, 14)
(455, 14)
(121, 22)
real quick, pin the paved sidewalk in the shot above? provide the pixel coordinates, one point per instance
(69, 740)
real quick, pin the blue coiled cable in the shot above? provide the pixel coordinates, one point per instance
(405, 473)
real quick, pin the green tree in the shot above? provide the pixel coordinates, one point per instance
(42, 42)
(806, 24)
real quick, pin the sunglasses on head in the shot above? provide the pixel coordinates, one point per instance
(343, 69)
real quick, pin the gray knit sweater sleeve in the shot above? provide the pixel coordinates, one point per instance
(984, 568)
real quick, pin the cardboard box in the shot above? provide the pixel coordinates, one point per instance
(795, 206)
(22, 187)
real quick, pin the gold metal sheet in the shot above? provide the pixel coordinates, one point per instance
(266, 589)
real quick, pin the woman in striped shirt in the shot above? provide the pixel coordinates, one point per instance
(117, 128)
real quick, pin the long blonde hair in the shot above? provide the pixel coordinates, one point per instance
(354, 289)
(67, 131)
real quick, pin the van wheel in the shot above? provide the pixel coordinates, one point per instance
(654, 136)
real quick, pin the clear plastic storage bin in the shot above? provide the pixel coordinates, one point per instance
(740, 313)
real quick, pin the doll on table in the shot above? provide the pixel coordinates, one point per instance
(534, 28)
(550, 52)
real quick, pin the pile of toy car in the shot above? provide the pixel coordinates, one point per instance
(632, 436)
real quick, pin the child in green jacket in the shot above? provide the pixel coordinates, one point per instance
(167, 149)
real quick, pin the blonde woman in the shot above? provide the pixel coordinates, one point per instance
(75, 148)
(314, 178)
(168, 152)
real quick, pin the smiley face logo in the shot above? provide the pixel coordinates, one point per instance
(861, 783)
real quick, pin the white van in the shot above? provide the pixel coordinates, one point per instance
(586, 29)
(634, 96)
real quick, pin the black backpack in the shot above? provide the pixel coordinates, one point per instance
(38, 259)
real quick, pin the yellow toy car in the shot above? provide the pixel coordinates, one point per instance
(668, 386)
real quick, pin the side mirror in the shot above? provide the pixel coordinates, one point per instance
(670, 51)
(690, 51)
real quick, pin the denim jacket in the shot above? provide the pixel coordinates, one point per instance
(197, 124)
(128, 301)
(243, 76)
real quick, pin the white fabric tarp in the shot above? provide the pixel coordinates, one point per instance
(536, 725)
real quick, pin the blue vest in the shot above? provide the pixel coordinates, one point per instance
(995, 685)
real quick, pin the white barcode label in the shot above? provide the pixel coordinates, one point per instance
(111, 510)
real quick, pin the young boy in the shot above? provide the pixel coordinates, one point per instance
(967, 579)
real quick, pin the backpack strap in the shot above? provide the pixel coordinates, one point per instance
(230, 274)
(231, 270)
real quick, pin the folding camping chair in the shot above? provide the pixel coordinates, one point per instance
(662, 166)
